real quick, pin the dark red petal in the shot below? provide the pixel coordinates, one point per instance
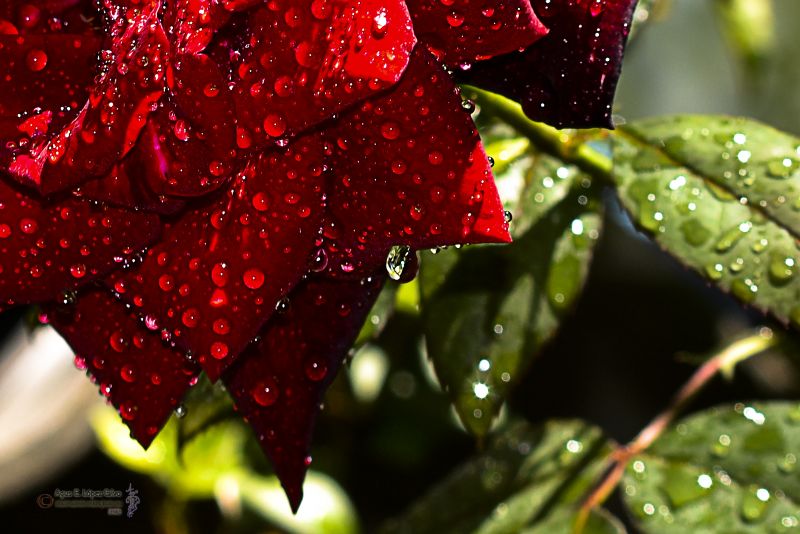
(128, 186)
(109, 122)
(463, 31)
(185, 150)
(47, 248)
(44, 81)
(189, 142)
(142, 377)
(220, 269)
(49, 16)
(568, 78)
(278, 383)
(306, 60)
(409, 169)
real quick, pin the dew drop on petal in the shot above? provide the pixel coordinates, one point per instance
(316, 369)
(253, 278)
(36, 60)
(190, 317)
(266, 393)
(128, 373)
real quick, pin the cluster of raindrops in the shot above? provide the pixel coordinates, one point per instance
(733, 240)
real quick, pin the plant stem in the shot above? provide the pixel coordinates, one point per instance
(562, 144)
(722, 362)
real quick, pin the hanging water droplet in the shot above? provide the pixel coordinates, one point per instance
(396, 261)
(180, 411)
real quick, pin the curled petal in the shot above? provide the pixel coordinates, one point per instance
(409, 169)
(220, 269)
(568, 78)
(141, 376)
(279, 382)
(49, 247)
(306, 60)
(463, 31)
(108, 124)
(190, 24)
(125, 187)
(189, 142)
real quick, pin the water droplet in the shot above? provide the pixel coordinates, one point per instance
(128, 373)
(755, 503)
(694, 232)
(118, 342)
(128, 411)
(396, 261)
(253, 278)
(219, 274)
(781, 267)
(282, 305)
(219, 350)
(319, 262)
(315, 368)
(266, 393)
(190, 317)
(180, 411)
(274, 125)
(390, 130)
(36, 60)
(28, 226)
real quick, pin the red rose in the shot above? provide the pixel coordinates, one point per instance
(215, 184)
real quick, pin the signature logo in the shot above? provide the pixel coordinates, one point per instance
(132, 500)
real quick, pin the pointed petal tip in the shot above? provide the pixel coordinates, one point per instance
(295, 496)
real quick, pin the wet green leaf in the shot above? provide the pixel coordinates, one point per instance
(736, 230)
(488, 310)
(751, 160)
(530, 479)
(726, 470)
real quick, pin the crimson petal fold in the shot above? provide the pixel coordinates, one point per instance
(49, 247)
(108, 123)
(408, 168)
(221, 267)
(140, 375)
(279, 382)
(568, 78)
(306, 60)
(462, 31)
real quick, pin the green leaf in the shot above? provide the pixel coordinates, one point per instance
(751, 160)
(673, 177)
(730, 470)
(488, 310)
(529, 480)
